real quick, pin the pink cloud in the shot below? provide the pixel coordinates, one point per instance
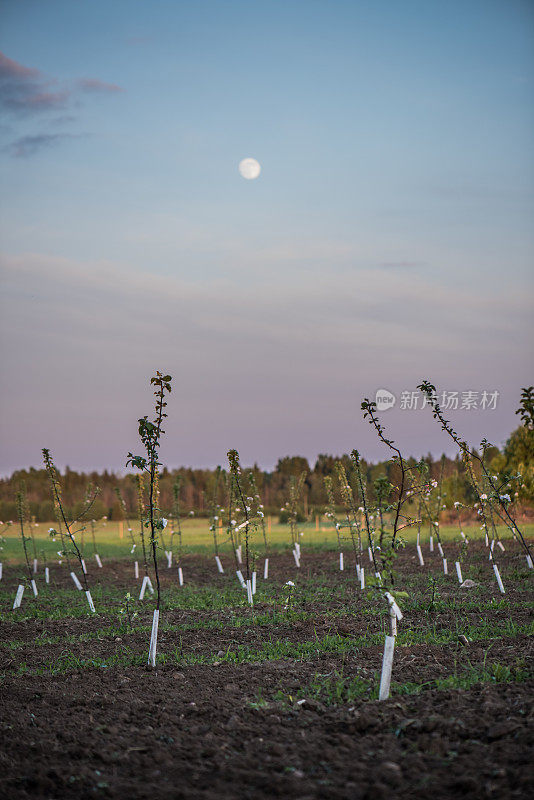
(12, 69)
(38, 101)
(27, 90)
(96, 85)
(29, 145)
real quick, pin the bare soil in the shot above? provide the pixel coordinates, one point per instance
(223, 730)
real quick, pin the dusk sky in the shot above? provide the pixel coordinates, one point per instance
(388, 238)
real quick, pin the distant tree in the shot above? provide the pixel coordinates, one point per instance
(292, 465)
(324, 464)
(518, 454)
(526, 407)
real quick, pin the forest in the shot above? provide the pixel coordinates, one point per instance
(197, 486)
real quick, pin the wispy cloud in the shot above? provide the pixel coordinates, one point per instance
(95, 85)
(327, 343)
(29, 145)
(401, 265)
(25, 89)
(390, 315)
(28, 90)
(12, 70)
(64, 119)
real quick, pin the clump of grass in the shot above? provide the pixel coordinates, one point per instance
(126, 613)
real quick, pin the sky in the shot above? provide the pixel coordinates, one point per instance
(387, 240)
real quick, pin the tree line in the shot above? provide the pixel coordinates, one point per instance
(197, 492)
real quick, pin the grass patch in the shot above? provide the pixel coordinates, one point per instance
(339, 689)
(198, 539)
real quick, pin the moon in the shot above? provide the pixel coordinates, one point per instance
(249, 168)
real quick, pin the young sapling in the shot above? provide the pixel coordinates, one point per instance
(147, 583)
(250, 521)
(63, 522)
(387, 557)
(122, 505)
(177, 526)
(260, 512)
(500, 499)
(330, 514)
(23, 516)
(95, 551)
(150, 435)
